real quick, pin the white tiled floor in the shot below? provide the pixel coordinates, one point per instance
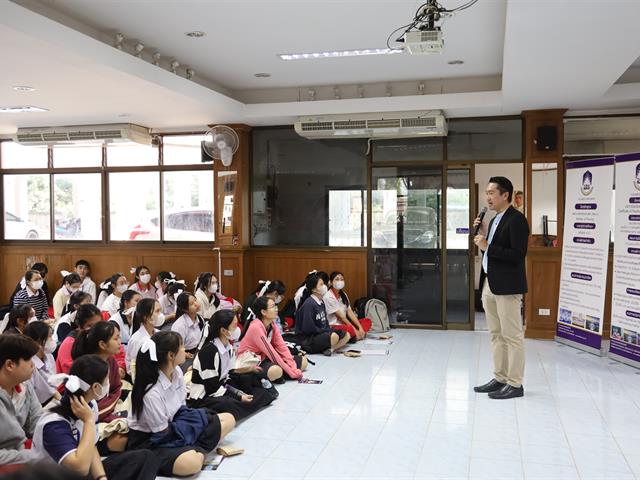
(413, 415)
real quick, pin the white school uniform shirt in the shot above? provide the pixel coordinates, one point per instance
(135, 342)
(149, 292)
(189, 330)
(207, 307)
(66, 318)
(161, 403)
(88, 286)
(125, 329)
(60, 300)
(101, 298)
(57, 444)
(43, 369)
(167, 304)
(111, 304)
(332, 305)
(298, 296)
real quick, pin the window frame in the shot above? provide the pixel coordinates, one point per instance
(104, 172)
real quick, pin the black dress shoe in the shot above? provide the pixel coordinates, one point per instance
(507, 392)
(492, 386)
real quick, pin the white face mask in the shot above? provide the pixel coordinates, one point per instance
(339, 285)
(235, 335)
(158, 320)
(278, 299)
(213, 288)
(158, 285)
(146, 278)
(37, 284)
(50, 346)
(104, 390)
(72, 290)
(323, 290)
(122, 288)
(32, 319)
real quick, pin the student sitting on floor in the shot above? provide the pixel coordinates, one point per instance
(189, 323)
(312, 328)
(67, 433)
(163, 280)
(103, 340)
(158, 410)
(124, 317)
(66, 324)
(215, 384)
(168, 300)
(86, 317)
(42, 269)
(19, 317)
(71, 283)
(115, 287)
(88, 286)
(339, 312)
(264, 339)
(274, 290)
(145, 319)
(43, 361)
(19, 405)
(142, 282)
(298, 295)
(33, 295)
(206, 289)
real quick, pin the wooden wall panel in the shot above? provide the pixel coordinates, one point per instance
(543, 279)
(292, 266)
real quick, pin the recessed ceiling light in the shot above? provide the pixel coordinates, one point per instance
(340, 53)
(262, 75)
(196, 34)
(23, 88)
(124, 115)
(456, 62)
(22, 109)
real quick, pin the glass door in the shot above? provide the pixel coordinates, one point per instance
(406, 246)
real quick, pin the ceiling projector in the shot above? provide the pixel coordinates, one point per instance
(423, 42)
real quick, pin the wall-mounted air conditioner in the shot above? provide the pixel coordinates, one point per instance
(374, 125)
(110, 133)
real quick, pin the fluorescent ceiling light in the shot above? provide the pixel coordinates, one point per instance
(340, 53)
(22, 109)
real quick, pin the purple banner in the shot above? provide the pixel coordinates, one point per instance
(584, 337)
(462, 230)
(629, 157)
(594, 162)
(624, 349)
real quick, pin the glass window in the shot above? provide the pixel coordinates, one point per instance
(408, 150)
(15, 155)
(26, 207)
(78, 206)
(77, 156)
(292, 183)
(181, 149)
(131, 154)
(347, 217)
(188, 206)
(134, 206)
(484, 139)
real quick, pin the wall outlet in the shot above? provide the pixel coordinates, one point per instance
(228, 273)
(545, 312)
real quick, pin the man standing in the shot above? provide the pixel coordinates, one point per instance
(503, 264)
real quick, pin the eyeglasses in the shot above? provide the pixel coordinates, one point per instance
(273, 307)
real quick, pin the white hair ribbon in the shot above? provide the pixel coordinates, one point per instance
(251, 314)
(23, 283)
(105, 285)
(72, 383)
(64, 273)
(173, 280)
(177, 294)
(150, 346)
(313, 272)
(205, 335)
(173, 275)
(132, 270)
(129, 310)
(264, 287)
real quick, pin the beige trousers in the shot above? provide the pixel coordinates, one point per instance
(504, 321)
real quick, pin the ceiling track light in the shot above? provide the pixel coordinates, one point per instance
(156, 59)
(190, 73)
(360, 91)
(389, 91)
(138, 49)
(312, 94)
(336, 93)
(119, 38)
(174, 66)
(421, 88)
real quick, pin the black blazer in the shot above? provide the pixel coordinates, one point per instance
(507, 253)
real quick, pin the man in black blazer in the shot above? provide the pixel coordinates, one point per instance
(503, 264)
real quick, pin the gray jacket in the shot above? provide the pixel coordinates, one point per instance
(19, 414)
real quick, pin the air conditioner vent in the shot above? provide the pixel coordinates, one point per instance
(116, 132)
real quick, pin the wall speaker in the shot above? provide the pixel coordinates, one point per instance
(546, 138)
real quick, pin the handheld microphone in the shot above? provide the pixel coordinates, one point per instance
(481, 215)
